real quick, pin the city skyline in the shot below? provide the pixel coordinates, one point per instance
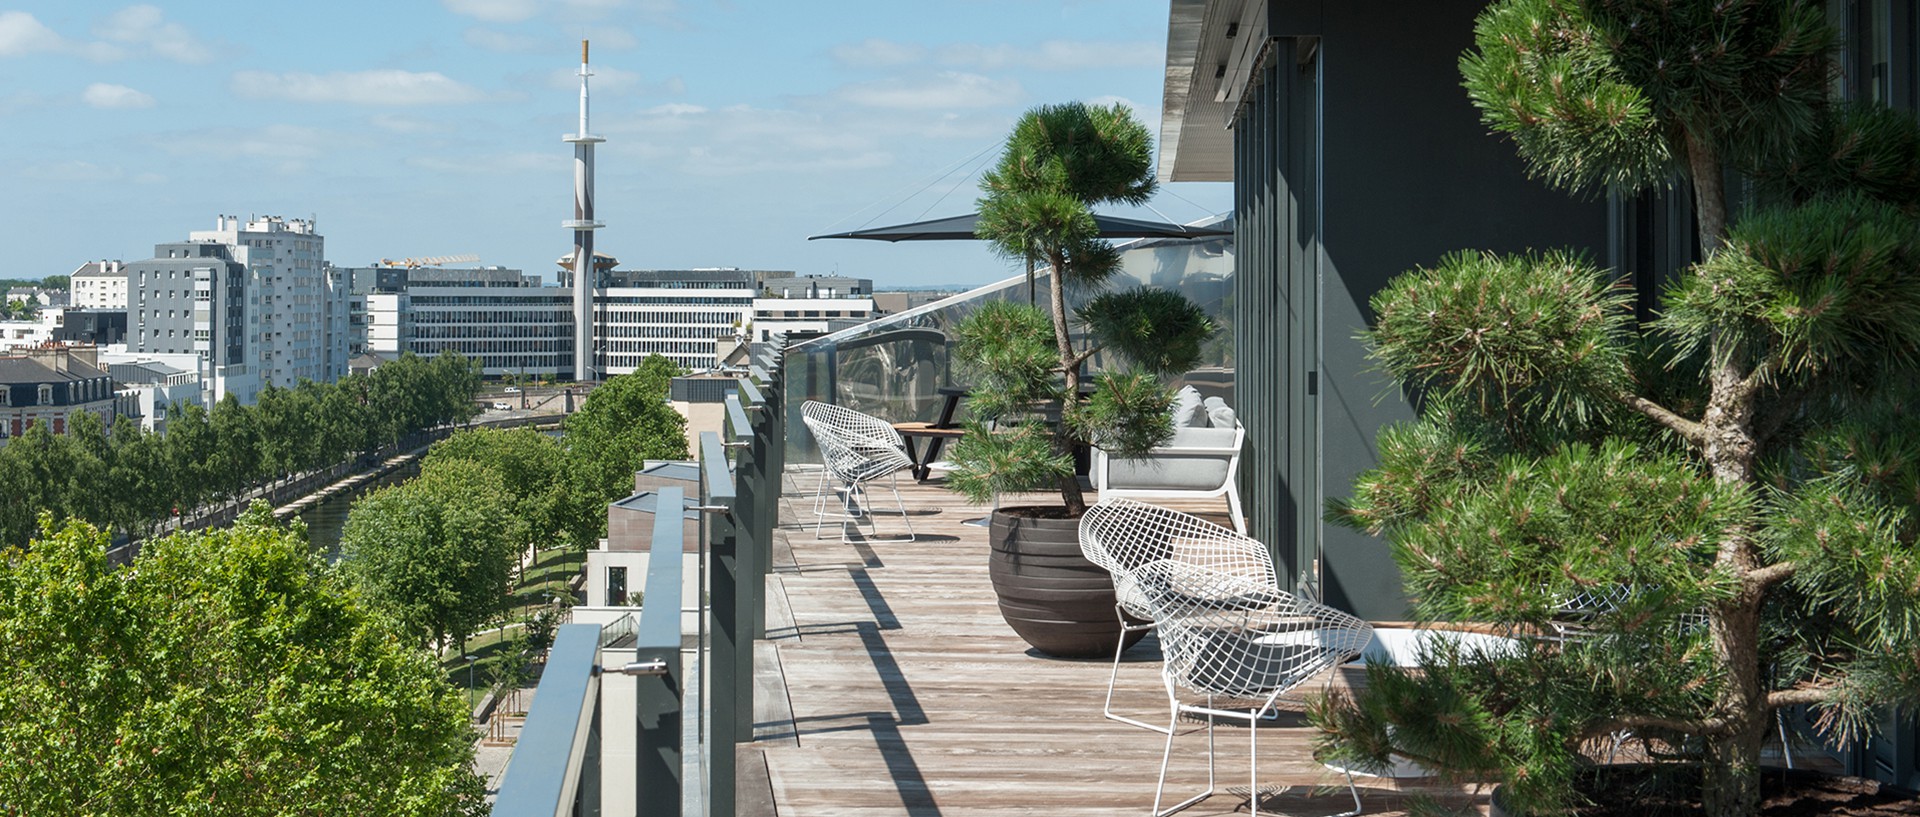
(736, 129)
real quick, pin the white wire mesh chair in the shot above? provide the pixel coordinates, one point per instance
(1238, 645)
(1121, 535)
(855, 449)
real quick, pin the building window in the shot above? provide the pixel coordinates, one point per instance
(46, 394)
(616, 586)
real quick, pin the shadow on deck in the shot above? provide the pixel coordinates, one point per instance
(890, 685)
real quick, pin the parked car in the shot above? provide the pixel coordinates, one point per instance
(502, 407)
(513, 389)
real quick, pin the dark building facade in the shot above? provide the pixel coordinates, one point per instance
(1356, 156)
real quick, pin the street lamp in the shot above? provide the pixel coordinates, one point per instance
(470, 660)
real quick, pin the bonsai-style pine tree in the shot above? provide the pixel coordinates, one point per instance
(1723, 500)
(1023, 362)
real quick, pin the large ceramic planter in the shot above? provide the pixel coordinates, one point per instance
(1050, 595)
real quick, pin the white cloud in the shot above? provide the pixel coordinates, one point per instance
(877, 53)
(946, 91)
(1054, 55)
(494, 11)
(73, 171)
(106, 95)
(1109, 100)
(553, 164)
(289, 144)
(501, 41)
(611, 81)
(516, 11)
(377, 87)
(741, 140)
(22, 34)
(146, 26)
(613, 39)
(407, 124)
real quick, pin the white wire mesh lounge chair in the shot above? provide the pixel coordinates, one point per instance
(1121, 535)
(1238, 645)
(855, 449)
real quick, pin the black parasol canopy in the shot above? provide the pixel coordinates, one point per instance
(960, 228)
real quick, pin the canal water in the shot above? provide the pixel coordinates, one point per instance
(326, 519)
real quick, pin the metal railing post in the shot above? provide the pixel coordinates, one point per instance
(731, 694)
(659, 695)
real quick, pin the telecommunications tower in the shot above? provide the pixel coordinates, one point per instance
(585, 276)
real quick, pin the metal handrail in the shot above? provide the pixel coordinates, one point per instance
(555, 768)
(544, 776)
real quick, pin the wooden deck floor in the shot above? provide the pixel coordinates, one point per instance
(890, 685)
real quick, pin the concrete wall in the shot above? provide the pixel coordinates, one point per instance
(1406, 173)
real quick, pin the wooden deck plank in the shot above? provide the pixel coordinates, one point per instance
(910, 696)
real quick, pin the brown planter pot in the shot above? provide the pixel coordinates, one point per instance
(1050, 595)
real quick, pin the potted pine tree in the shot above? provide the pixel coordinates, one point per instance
(1025, 364)
(1725, 496)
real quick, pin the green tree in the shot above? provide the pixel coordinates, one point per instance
(436, 551)
(1736, 479)
(190, 450)
(229, 672)
(531, 467)
(236, 446)
(1059, 161)
(136, 480)
(18, 507)
(625, 422)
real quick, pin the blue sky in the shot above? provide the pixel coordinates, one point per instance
(735, 128)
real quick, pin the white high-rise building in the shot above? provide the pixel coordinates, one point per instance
(254, 299)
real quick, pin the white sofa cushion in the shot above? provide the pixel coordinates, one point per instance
(1219, 414)
(1188, 410)
(1170, 470)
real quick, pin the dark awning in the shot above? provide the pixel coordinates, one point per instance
(961, 228)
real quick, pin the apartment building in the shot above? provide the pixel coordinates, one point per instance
(254, 299)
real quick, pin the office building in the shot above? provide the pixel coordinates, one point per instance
(677, 314)
(812, 304)
(501, 317)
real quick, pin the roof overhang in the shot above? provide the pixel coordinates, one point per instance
(1214, 49)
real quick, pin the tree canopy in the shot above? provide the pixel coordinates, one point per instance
(436, 552)
(226, 672)
(1059, 161)
(226, 452)
(625, 422)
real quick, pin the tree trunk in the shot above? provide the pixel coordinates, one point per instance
(1709, 193)
(1731, 780)
(1070, 494)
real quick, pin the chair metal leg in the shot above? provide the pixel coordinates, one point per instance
(1355, 791)
(1114, 676)
(1253, 767)
(867, 499)
(1173, 723)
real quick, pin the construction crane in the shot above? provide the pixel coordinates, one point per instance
(429, 261)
